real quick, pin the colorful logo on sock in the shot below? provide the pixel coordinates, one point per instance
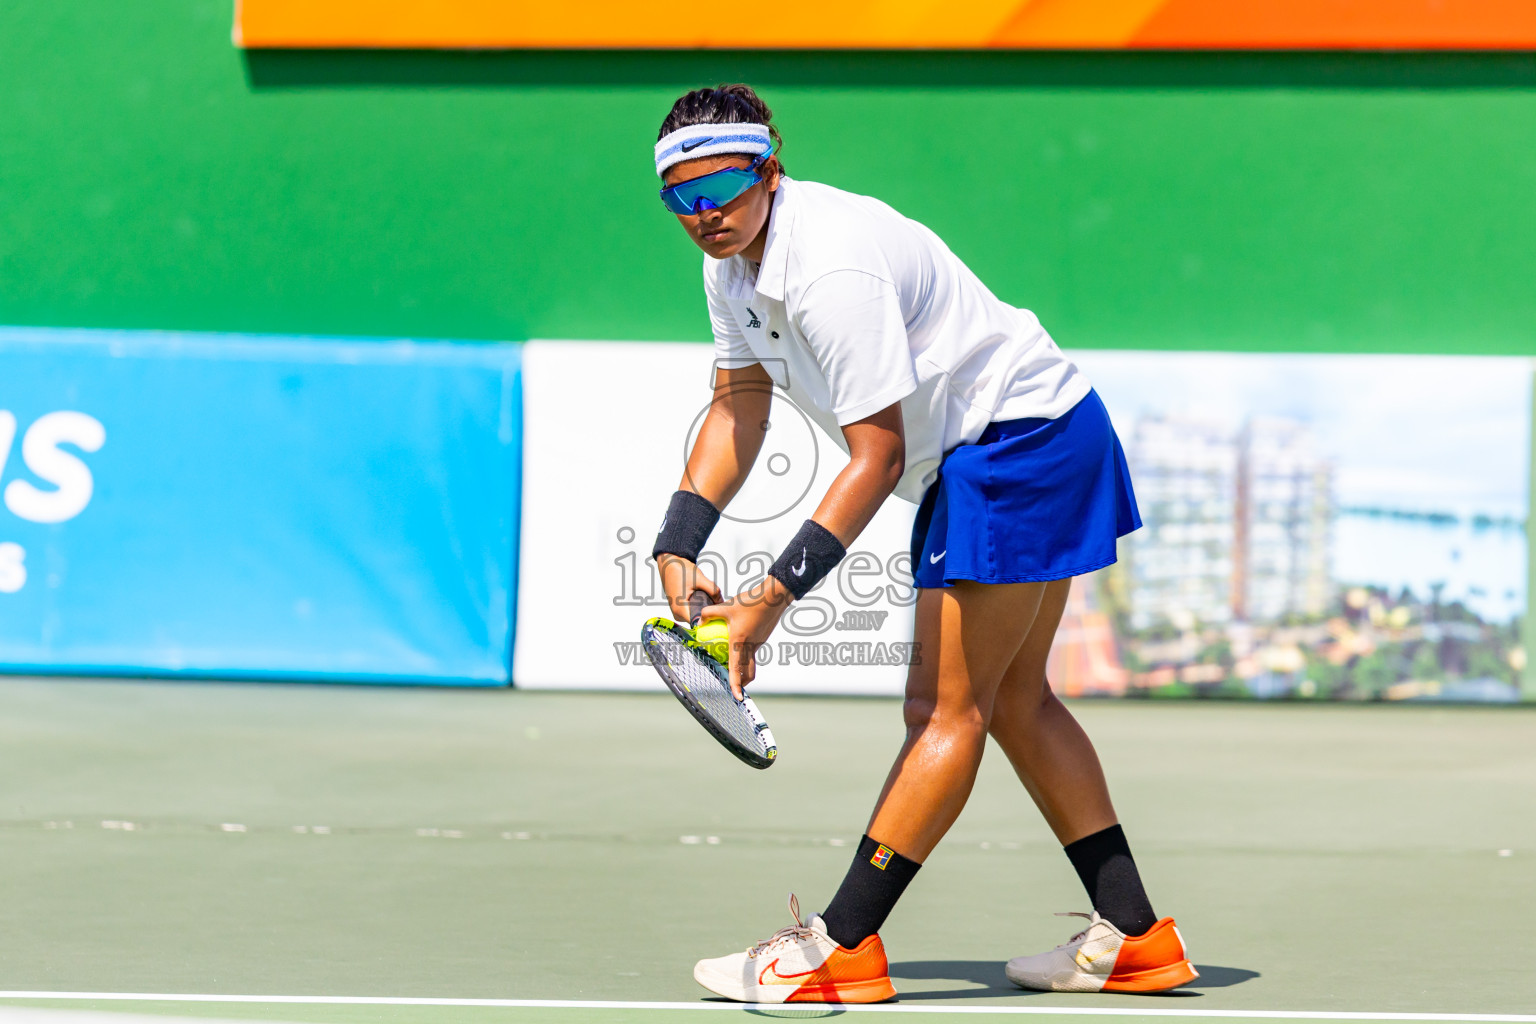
(882, 857)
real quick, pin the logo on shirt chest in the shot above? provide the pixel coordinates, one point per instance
(752, 316)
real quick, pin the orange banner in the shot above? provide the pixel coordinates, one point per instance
(894, 24)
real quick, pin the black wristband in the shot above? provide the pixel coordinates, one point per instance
(810, 556)
(686, 526)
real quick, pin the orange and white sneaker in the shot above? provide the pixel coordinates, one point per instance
(1101, 958)
(801, 964)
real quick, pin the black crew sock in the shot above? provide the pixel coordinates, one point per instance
(1103, 862)
(875, 881)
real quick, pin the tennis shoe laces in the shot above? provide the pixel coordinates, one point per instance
(1102, 958)
(800, 964)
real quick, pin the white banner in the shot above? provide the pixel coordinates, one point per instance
(607, 427)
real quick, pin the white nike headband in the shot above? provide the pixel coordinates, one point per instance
(695, 140)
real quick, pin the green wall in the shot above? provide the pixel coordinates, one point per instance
(153, 176)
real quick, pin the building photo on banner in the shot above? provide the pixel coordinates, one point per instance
(501, 501)
(1311, 531)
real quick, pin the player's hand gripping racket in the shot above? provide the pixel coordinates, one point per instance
(699, 679)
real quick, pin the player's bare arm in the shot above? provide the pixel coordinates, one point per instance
(876, 455)
(723, 455)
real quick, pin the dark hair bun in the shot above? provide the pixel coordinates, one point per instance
(724, 104)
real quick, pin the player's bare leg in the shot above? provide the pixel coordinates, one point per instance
(1125, 948)
(967, 637)
(1048, 749)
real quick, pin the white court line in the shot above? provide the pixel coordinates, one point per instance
(598, 1004)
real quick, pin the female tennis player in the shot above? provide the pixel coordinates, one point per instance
(949, 398)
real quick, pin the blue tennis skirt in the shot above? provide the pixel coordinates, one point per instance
(1031, 500)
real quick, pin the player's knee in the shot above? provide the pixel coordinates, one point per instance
(924, 713)
(917, 712)
(1015, 704)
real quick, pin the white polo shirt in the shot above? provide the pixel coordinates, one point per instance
(856, 307)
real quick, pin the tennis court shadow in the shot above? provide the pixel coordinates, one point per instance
(986, 974)
(1212, 976)
(991, 982)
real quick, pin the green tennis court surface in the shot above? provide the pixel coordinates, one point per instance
(542, 853)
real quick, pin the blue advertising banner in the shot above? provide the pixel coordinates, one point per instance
(248, 507)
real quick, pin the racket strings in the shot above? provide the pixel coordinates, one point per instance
(703, 679)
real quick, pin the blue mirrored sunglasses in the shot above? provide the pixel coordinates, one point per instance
(712, 191)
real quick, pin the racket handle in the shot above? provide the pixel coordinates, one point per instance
(696, 602)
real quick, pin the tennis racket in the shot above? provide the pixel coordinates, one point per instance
(703, 685)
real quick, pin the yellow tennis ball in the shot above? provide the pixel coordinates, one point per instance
(712, 634)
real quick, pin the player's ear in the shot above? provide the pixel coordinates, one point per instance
(772, 170)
